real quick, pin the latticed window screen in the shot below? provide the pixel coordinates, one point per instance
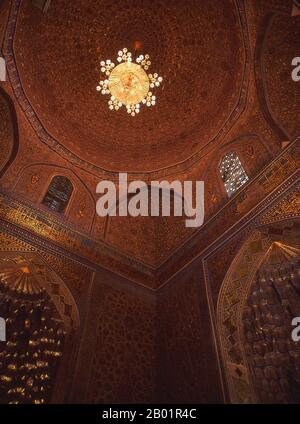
(232, 172)
(58, 194)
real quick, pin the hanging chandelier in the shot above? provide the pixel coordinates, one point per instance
(128, 83)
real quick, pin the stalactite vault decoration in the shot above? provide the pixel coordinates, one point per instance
(258, 299)
(274, 300)
(35, 335)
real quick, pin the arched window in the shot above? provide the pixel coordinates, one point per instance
(232, 173)
(58, 194)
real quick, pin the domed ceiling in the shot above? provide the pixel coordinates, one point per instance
(196, 46)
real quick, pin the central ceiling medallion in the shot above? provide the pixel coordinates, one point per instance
(128, 83)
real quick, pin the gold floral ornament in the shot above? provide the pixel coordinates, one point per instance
(128, 83)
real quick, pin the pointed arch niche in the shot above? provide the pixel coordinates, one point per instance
(42, 323)
(259, 297)
(9, 135)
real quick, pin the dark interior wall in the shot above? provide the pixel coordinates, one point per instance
(188, 368)
(117, 361)
(142, 347)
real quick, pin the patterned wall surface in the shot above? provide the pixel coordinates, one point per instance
(123, 370)
(120, 340)
(188, 370)
(282, 92)
(289, 207)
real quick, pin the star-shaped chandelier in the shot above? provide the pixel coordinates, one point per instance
(128, 83)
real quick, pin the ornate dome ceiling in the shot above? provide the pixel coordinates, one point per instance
(195, 46)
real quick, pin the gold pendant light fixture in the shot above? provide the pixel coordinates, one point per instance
(128, 83)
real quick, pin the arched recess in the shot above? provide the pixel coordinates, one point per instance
(233, 313)
(276, 91)
(259, 75)
(42, 329)
(148, 238)
(9, 133)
